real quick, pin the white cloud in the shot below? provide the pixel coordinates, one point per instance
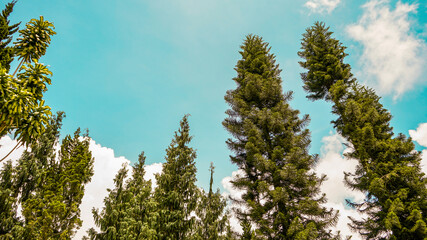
(232, 192)
(393, 57)
(420, 136)
(333, 164)
(322, 5)
(7, 144)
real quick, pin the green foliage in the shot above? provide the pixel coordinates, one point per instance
(129, 211)
(388, 172)
(176, 193)
(212, 223)
(51, 188)
(22, 109)
(6, 35)
(10, 226)
(324, 57)
(270, 145)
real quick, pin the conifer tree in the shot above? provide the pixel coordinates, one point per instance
(10, 226)
(51, 188)
(176, 192)
(388, 173)
(270, 145)
(112, 220)
(129, 211)
(212, 218)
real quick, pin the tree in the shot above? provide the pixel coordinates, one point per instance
(176, 192)
(112, 220)
(213, 219)
(10, 226)
(270, 145)
(51, 188)
(388, 173)
(129, 211)
(6, 35)
(22, 109)
(324, 57)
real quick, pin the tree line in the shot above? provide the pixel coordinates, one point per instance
(41, 192)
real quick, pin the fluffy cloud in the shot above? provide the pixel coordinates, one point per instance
(393, 57)
(322, 5)
(336, 192)
(233, 193)
(7, 144)
(420, 136)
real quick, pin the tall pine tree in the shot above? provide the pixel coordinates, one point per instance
(270, 145)
(176, 192)
(388, 173)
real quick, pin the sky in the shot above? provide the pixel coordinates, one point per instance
(130, 70)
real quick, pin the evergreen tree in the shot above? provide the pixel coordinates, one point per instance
(129, 211)
(213, 220)
(10, 226)
(143, 206)
(51, 188)
(176, 192)
(6, 35)
(112, 220)
(388, 173)
(326, 66)
(270, 145)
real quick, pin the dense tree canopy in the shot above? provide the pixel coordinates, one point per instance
(270, 144)
(389, 171)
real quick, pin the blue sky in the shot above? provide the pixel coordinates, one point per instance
(130, 70)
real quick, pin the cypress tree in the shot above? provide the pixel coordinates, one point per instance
(270, 144)
(176, 192)
(388, 173)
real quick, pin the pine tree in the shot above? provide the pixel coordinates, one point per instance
(212, 218)
(50, 188)
(10, 226)
(324, 57)
(143, 206)
(270, 145)
(112, 220)
(388, 173)
(176, 192)
(129, 211)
